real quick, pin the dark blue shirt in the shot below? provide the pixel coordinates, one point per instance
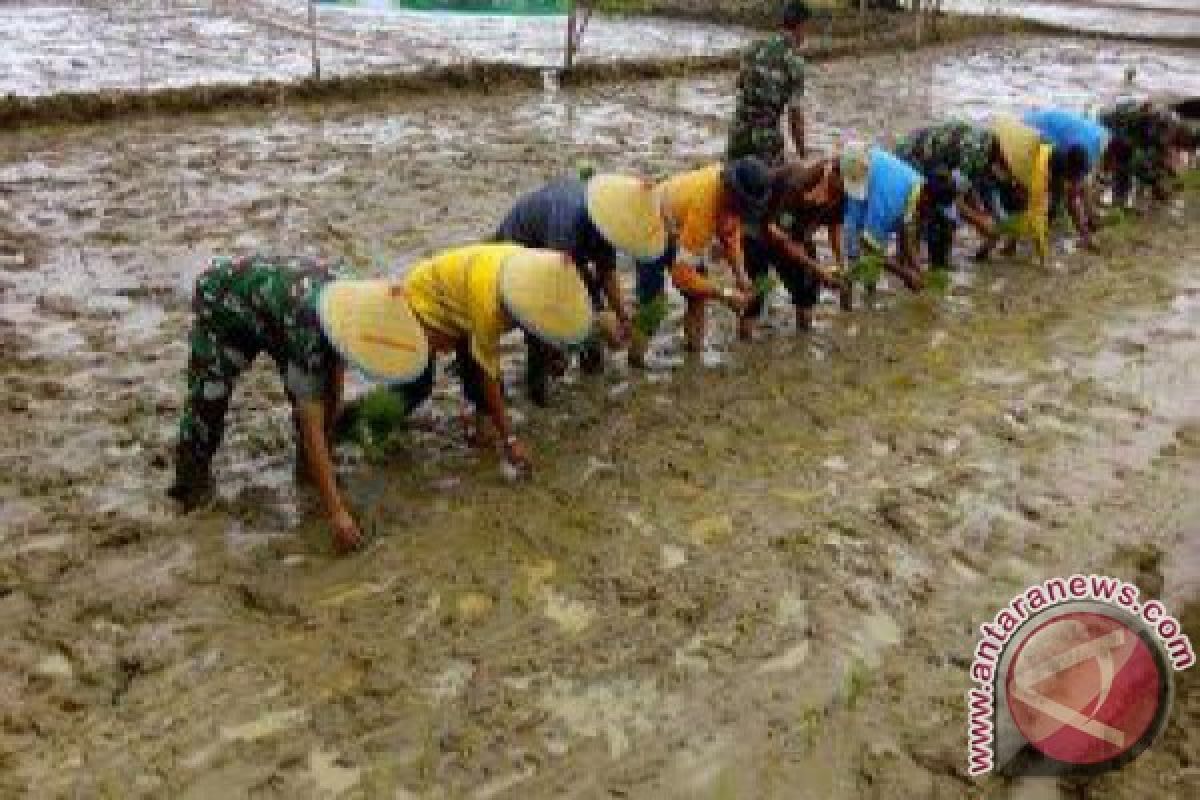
(555, 217)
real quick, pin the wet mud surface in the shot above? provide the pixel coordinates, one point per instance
(1166, 19)
(757, 574)
(94, 46)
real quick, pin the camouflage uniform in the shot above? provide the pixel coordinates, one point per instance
(772, 74)
(242, 307)
(951, 146)
(1147, 129)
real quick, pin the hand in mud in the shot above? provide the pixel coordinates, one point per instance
(739, 300)
(912, 279)
(614, 328)
(624, 330)
(476, 432)
(517, 456)
(830, 276)
(346, 535)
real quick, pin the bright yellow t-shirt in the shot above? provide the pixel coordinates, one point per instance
(457, 292)
(691, 204)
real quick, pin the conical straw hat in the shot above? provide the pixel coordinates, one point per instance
(371, 325)
(544, 294)
(625, 211)
(1019, 143)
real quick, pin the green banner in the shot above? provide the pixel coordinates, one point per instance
(512, 7)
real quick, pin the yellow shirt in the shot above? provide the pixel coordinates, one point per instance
(691, 204)
(457, 292)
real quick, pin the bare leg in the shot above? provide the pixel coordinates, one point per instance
(694, 324)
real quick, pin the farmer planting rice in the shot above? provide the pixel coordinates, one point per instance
(313, 324)
(886, 198)
(972, 154)
(467, 298)
(770, 86)
(1079, 147)
(1155, 138)
(590, 222)
(804, 198)
(701, 208)
(763, 580)
(1022, 208)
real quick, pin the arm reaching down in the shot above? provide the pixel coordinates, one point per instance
(1076, 206)
(834, 232)
(514, 451)
(612, 290)
(729, 234)
(346, 535)
(796, 127)
(798, 256)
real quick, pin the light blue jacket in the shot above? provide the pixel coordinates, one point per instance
(890, 185)
(1063, 129)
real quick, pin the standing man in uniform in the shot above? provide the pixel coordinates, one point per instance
(769, 88)
(770, 83)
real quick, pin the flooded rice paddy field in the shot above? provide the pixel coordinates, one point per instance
(93, 46)
(1164, 19)
(753, 575)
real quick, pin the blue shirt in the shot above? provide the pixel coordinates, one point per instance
(555, 217)
(890, 185)
(1063, 129)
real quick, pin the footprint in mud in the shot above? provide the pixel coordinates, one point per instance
(570, 615)
(618, 711)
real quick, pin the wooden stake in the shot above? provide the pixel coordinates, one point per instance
(312, 31)
(569, 59)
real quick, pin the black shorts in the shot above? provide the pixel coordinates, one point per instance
(804, 289)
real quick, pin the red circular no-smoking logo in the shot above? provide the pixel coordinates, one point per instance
(1085, 688)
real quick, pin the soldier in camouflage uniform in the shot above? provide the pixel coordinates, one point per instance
(1148, 132)
(772, 76)
(242, 307)
(971, 155)
(970, 149)
(771, 79)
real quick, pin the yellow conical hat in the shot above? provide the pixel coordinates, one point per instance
(371, 325)
(543, 292)
(625, 211)
(1019, 143)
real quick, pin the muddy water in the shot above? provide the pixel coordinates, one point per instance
(729, 578)
(91, 46)
(1165, 19)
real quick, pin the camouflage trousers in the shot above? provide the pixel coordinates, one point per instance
(229, 330)
(1147, 166)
